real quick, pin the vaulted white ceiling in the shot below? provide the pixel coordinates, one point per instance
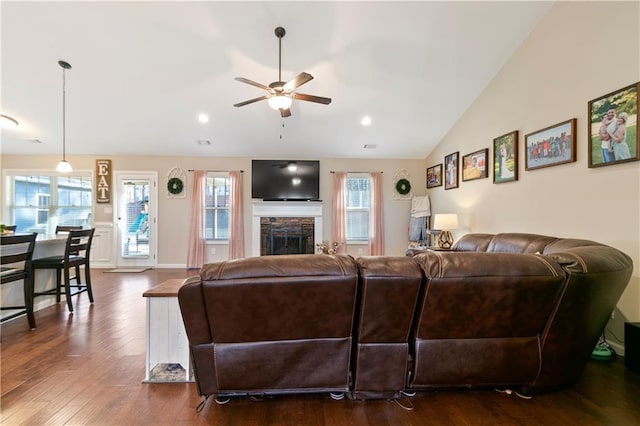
(142, 72)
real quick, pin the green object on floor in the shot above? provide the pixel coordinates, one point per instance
(602, 352)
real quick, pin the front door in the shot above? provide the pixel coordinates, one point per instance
(136, 219)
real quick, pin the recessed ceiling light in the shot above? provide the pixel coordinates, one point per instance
(370, 146)
(366, 120)
(203, 118)
(203, 142)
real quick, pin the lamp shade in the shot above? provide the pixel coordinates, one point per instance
(445, 222)
(280, 102)
(64, 167)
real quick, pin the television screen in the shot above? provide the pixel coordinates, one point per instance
(285, 180)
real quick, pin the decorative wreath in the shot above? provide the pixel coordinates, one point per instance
(403, 186)
(175, 186)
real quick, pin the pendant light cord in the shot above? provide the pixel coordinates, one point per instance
(64, 115)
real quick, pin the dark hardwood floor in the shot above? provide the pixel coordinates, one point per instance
(87, 369)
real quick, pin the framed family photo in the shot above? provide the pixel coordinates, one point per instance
(551, 146)
(613, 127)
(474, 165)
(505, 158)
(434, 176)
(451, 165)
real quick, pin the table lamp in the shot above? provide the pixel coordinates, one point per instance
(445, 223)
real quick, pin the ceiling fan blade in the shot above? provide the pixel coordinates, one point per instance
(311, 98)
(253, 83)
(250, 101)
(298, 81)
(285, 113)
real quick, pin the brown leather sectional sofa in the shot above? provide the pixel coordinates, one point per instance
(519, 311)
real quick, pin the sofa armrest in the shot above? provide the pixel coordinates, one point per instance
(194, 312)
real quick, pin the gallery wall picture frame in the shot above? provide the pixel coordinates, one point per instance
(551, 146)
(451, 167)
(474, 165)
(505, 158)
(434, 176)
(613, 127)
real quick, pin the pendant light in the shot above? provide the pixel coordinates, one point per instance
(64, 166)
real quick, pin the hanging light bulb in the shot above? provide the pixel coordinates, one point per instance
(64, 166)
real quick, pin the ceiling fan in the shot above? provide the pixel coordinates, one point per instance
(281, 94)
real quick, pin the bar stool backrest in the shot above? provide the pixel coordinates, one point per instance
(79, 244)
(17, 249)
(62, 229)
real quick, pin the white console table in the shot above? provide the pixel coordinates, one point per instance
(167, 344)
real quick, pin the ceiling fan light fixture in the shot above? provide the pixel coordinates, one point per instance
(280, 102)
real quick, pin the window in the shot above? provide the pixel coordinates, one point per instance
(358, 205)
(216, 214)
(40, 203)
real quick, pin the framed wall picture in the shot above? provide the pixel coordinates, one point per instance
(434, 176)
(451, 165)
(474, 165)
(551, 146)
(505, 158)
(613, 127)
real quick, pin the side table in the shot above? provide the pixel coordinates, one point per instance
(167, 344)
(632, 345)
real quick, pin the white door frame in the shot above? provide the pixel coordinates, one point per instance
(151, 261)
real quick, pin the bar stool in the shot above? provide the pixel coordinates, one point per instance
(76, 253)
(18, 249)
(64, 229)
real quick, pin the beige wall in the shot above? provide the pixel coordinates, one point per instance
(578, 52)
(173, 213)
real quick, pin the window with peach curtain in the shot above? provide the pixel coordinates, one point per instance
(197, 255)
(236, 227)
(376, 220)
(339, 212)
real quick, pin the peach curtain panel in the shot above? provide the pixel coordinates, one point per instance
(236, 228)
(339, 211)
(376, 220)
(197, 254)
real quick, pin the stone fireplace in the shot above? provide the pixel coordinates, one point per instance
(286, 227)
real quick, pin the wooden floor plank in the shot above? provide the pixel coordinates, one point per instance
(87, 368)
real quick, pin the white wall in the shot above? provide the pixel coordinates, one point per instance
(174, 213)
(579, 52)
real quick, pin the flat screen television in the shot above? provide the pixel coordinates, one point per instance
(285, 180)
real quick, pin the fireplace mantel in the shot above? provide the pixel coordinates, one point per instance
(284, 209)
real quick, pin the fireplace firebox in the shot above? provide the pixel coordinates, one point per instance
(286, 235)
